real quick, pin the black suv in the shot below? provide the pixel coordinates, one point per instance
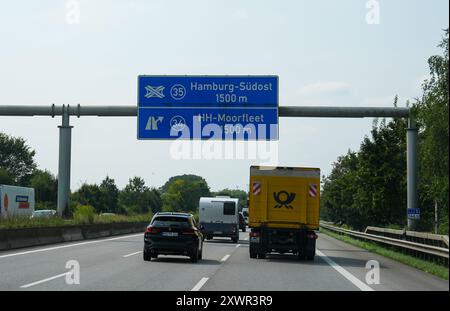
(173, 234)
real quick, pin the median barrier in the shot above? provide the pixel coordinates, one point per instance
(72, 234)
(49, 235)
(3, 240)
(26, 237)
(23, 237)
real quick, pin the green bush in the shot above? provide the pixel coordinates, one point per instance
(99, 219)
(79, 218)
(394, 226)
(84, 214)
(196, 216)
(443, 227)
(26, 222)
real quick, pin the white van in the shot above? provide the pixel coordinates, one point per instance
(16, 201)
(219, 217)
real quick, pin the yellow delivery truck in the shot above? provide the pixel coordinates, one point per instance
(283, 210)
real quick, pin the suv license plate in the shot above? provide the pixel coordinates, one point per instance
(170, 233)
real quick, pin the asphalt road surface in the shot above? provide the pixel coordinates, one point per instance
(116, 264)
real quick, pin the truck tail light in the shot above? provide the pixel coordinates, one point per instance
(312, 235)
(254, 234)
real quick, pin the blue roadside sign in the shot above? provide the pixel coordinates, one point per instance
(208, 107)
(414, 213)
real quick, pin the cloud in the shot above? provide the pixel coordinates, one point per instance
(240, 14)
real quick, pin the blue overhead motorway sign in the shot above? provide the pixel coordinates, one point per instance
(208, 107)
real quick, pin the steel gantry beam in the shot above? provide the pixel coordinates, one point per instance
(285, 111)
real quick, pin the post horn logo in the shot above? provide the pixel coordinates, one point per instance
(283, 198)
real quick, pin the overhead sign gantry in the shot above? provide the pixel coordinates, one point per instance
(296, 112)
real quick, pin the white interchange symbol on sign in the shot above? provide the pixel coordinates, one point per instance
(154, 91)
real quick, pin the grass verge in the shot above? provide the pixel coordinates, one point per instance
(429, 267)
(24, 222)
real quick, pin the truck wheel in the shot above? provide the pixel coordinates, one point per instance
(310, 251)
(301, 255)
(309, 255)
(147, 256)
(235, 240)
(262, 256)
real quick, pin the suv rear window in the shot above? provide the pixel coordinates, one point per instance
(170, 221)
(229, 208)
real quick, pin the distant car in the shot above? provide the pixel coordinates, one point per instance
(44, 213)
(173, 234)
(107, 214)
(242, 224)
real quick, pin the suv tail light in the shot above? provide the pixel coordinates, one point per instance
(152, 230)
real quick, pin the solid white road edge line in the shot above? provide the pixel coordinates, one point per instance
(225, 258)
(128, 255)
(70, 245)
(44, 280)
(355, 281)
(199, 285)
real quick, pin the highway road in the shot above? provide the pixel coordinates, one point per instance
(116, 264)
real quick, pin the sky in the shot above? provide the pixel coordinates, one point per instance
(325, 53)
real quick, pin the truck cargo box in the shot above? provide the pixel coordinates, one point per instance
(284, 207)
(16, 201)
(284, 197)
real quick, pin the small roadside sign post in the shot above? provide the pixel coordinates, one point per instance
(208, 107)
(414, 213)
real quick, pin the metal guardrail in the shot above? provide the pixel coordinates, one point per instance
(412, 236)
(406, 245)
